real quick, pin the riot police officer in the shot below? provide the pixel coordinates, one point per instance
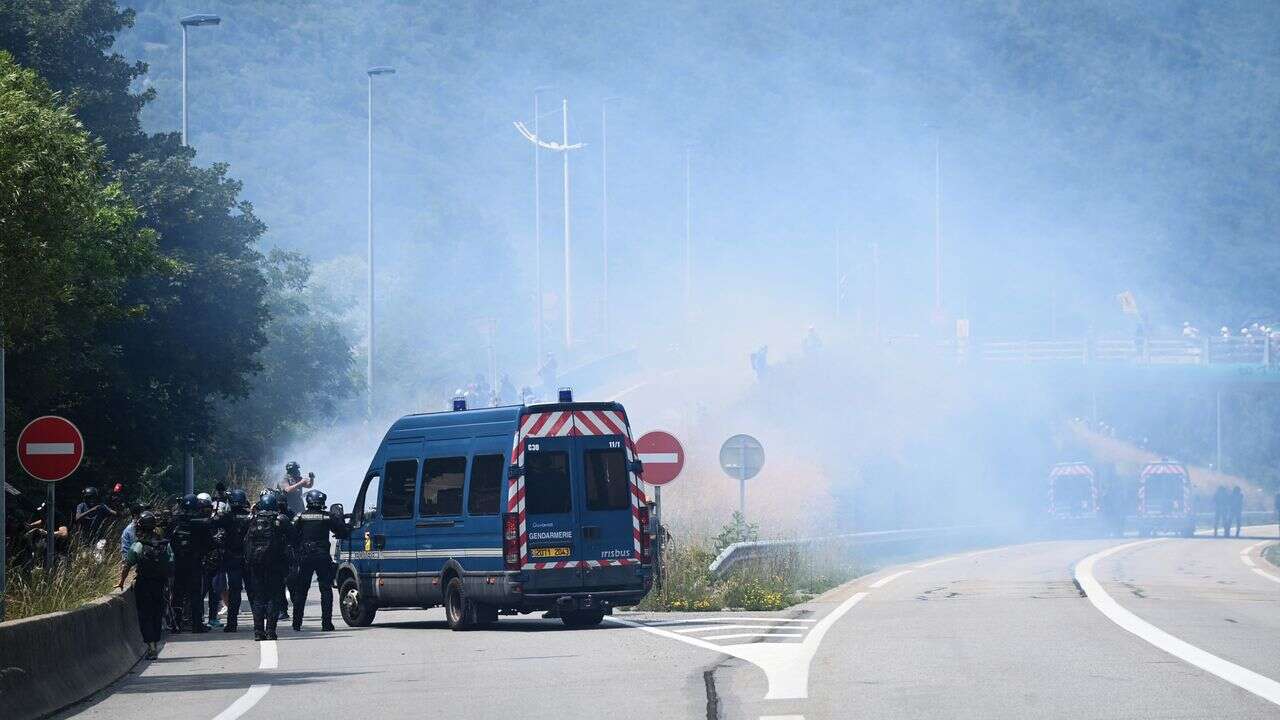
(311, 531)
(265, 540)
(231, 527)
(191, 537)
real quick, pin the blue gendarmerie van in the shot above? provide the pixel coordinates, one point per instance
(499, 511)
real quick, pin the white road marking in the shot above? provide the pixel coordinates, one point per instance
(705, 628)
(270, 655)
(781, 717)
(51, 448)
(244, 703)
(1260, 685)
(734, 636)
(1267, 575)
(268, 659)
(1247, 560)
(1253, 547)
(888, 579)
(785, 665)
(682, 621)
(931, 563)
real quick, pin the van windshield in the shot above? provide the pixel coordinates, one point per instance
(1164, 492)
(1073, 494)
(546, 483)
(608, 486)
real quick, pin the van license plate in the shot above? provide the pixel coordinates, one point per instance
(551, 552)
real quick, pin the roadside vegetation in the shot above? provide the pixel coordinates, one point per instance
(1272, 554)
(82, 574)
(779, 582)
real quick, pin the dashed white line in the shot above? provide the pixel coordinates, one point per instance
(888, 579)
(1247, 560)
(739, 627)
(1267, 575)
(931, 563)
(270, 659)
(244, 703)
(682, 621)
(781, 717)
(1260, 685)
(734, 636)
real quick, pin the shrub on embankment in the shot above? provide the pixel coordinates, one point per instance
(82, 574)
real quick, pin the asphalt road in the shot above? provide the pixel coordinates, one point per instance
(1172, 628)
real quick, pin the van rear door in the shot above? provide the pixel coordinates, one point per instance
(549, 509)
(606, 522)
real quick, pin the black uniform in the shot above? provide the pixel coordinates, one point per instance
(231, 527)
(264, 556)
(311, 550)
(192, 536)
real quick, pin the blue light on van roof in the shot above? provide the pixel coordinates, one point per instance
(566, 395)
(460, 403)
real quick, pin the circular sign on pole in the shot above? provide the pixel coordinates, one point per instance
(741, 457)
(662, 455)
(50, 448)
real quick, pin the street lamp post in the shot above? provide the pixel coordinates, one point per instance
(604, 179)
(200, 20)
(371, 72)
(537, 225)
(563, 148)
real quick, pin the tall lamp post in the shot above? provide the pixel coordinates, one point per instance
(937, 220)
(200, 20)
(604, 180)
(372, 73)
(537, 224)
(564, 148)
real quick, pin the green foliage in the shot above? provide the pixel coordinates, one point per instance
(735, 531)
(80, 576)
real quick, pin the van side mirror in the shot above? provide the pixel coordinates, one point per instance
(636, 467)
(514, 472)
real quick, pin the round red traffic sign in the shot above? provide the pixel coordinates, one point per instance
(662, 456)
(50, 448)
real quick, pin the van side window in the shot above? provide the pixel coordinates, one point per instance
(608, 484)
(484, 498)
(367, 503)
(397, 491)
(442, 486)
(546, 483)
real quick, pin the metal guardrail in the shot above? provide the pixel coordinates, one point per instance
(742, 552)
(1171, 351)
(745, 552)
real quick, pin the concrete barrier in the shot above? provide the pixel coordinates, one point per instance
(50, 661)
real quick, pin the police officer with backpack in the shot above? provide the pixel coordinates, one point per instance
(265, 540)
(230, 528)
(191, 537)
(311, 531)
(153, 557)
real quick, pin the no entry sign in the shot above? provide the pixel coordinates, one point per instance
(662, 456)
(50, 448)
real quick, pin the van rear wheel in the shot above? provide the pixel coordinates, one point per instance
(581, 618)
(355, 611)
(458, 610)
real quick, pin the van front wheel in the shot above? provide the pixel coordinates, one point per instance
(582, 618)
(458, 610)
(355, 611)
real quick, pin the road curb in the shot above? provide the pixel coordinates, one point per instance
(50, 662)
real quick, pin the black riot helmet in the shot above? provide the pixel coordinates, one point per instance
(146, 522)
(268, 501)
(190, 503)
(90, 494)
(315, 499)
(239, 499)
(292, 469)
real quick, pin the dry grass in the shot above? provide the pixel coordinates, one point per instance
(80, 576)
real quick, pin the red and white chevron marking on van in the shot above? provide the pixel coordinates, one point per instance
(570, 423)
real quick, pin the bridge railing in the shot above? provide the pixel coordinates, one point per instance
(1158, 351)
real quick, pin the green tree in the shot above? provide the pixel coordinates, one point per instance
(71, 247)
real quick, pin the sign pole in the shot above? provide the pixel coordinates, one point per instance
(741, 482)
(50, 540)
(657, 537)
